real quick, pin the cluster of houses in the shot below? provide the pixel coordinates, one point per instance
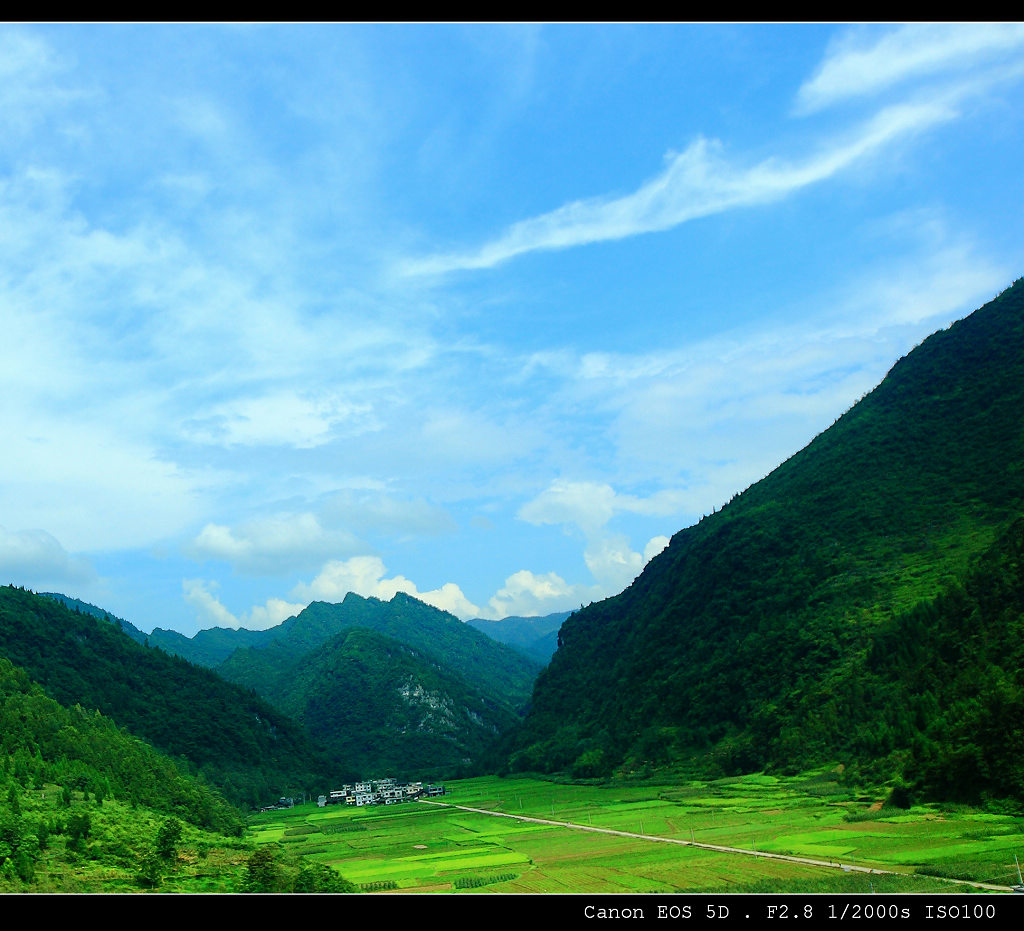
(379, 792)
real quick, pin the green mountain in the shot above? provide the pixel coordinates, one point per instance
(83, 607)
(43, 743)
(408, 656)
(745, 643)
(493, 668)
(239, 742)
(484, 663)
(945, 682)
(381, 706)
(212, 646)
(87, 807)
(537, 637)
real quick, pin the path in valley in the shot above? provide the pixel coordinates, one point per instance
(827, 864)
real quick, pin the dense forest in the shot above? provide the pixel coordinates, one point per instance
(378, 705)
(87, 807)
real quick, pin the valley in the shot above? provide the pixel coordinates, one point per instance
(755, 834)
(814, 688)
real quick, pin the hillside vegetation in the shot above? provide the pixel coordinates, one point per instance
(257, 658)
(237, 740)
(782, 630)
(381, 706)
(393, 687)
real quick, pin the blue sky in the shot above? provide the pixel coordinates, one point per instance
(481, 313)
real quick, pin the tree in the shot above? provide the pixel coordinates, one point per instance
(317, 877)
(264, 872)
(167, 839)
(150, 873)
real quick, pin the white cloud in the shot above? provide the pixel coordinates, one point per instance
(588, 505)
(35, 557)
(525, 594)
(696, 183)
(591, 505)
(272, 544)
(612, 562)
(365, 575)
(286, 418)
(654, 546)
(210, 612)
(449, 597)
(271, 614)
(861, 64)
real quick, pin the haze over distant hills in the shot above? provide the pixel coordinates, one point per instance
(835, 610)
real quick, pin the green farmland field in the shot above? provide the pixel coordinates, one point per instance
(621, 838)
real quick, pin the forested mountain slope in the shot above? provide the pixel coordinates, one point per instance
(495, 669)
(725, 649)
(45, 743)
(394, 687)
(83, 607)
(243, 745)
(381, 706)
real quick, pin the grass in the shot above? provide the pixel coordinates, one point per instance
(423, 847)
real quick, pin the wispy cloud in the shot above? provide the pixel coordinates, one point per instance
(206, 354)
(698, 182)
(860, 63)
(703, 419)
(286, 418)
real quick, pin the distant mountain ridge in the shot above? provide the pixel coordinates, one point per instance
(333, 667)
(724, 652)
(210, 646)
(484, 662)
(379, 705)
(537, 637)
(320, 621)
(316, 661)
